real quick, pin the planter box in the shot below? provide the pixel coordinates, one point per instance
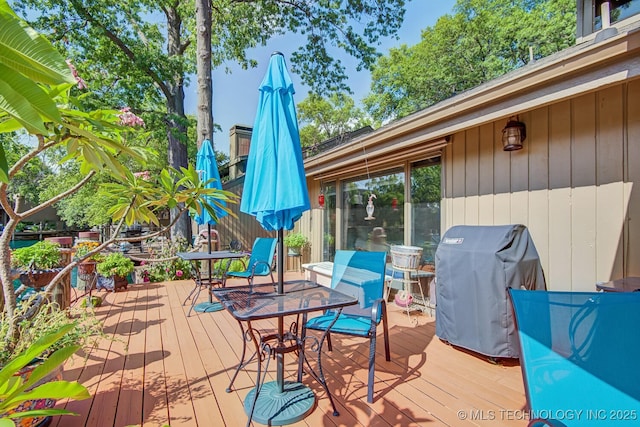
(112, 283)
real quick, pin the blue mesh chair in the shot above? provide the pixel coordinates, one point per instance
(360, 274)
(260, 262)
(580, 356)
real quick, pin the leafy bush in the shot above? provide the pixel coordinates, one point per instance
(115, 264)
(38, 318)
(41, 255)
(236, 264)
(172, 267)
(296, 240)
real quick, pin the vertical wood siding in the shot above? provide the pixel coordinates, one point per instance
(574, 185)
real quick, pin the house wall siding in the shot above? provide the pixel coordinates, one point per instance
(572, 184)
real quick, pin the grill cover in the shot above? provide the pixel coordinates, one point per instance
(475, 265)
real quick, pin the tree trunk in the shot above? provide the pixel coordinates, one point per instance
(205, 91)
(177, 120)
(8, 300)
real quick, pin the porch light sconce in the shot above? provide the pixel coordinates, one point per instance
(513, 134)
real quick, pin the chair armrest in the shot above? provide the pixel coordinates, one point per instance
(377, 305)
(253, 267)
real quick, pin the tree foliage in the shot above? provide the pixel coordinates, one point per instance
(324, 118)
(141, 54)
(482, 40)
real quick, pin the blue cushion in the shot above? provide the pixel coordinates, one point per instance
(346, 324)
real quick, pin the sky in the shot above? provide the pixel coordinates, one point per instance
(235, 95)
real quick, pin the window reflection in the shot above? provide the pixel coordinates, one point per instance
(619, 10)
(387, 225)
(425, 203)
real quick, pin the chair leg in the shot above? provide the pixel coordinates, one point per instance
(303, 335)
(372, 367)
(385, 330)
(194, 298)
(195, 288)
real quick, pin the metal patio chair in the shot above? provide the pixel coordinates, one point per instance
(260, 262)
(580, 354)
(361, 274)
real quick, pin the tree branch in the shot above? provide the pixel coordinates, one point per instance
(84, 13)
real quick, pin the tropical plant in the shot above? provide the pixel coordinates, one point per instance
(92, 140)
(296, 240)
(40, 255)
(15, 389)
(37, 317)
(115, 264)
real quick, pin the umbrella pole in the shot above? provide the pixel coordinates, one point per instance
(280, 287)
(209, 247)
(208, 307)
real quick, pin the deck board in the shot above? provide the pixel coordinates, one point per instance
(165, 367)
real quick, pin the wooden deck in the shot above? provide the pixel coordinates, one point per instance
(167, 368)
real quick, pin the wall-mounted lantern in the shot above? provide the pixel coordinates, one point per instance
(513, 134)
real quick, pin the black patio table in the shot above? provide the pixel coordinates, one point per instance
(194, 257)
(265, 403)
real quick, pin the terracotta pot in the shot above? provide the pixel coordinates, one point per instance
(87, 267)
(120, 282)
(64, 242)
(89, 235)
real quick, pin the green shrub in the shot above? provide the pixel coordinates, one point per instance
(173, 268)
(115, 264)
(296, 240)
(39, 318)
(41, 255)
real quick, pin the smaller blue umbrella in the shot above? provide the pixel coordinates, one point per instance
(207, 167)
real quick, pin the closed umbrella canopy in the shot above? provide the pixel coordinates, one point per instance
(275, 187)
(207, 167)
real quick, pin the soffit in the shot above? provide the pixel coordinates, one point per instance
(569, 73)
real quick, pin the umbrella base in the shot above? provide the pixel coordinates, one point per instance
(275, 408)
(208, 307)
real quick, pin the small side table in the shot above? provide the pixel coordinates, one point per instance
(626, 284)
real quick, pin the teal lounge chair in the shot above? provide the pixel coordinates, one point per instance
(360, 274)
(260, 262)
(580, 357)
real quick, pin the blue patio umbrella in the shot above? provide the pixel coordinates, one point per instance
(275, 187)
(275, 192)
(207, 167)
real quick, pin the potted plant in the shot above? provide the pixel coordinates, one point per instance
(26, 399)
(296, 242)
(46, 337)
(115, 266)
(37, 263)
(87, 262)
